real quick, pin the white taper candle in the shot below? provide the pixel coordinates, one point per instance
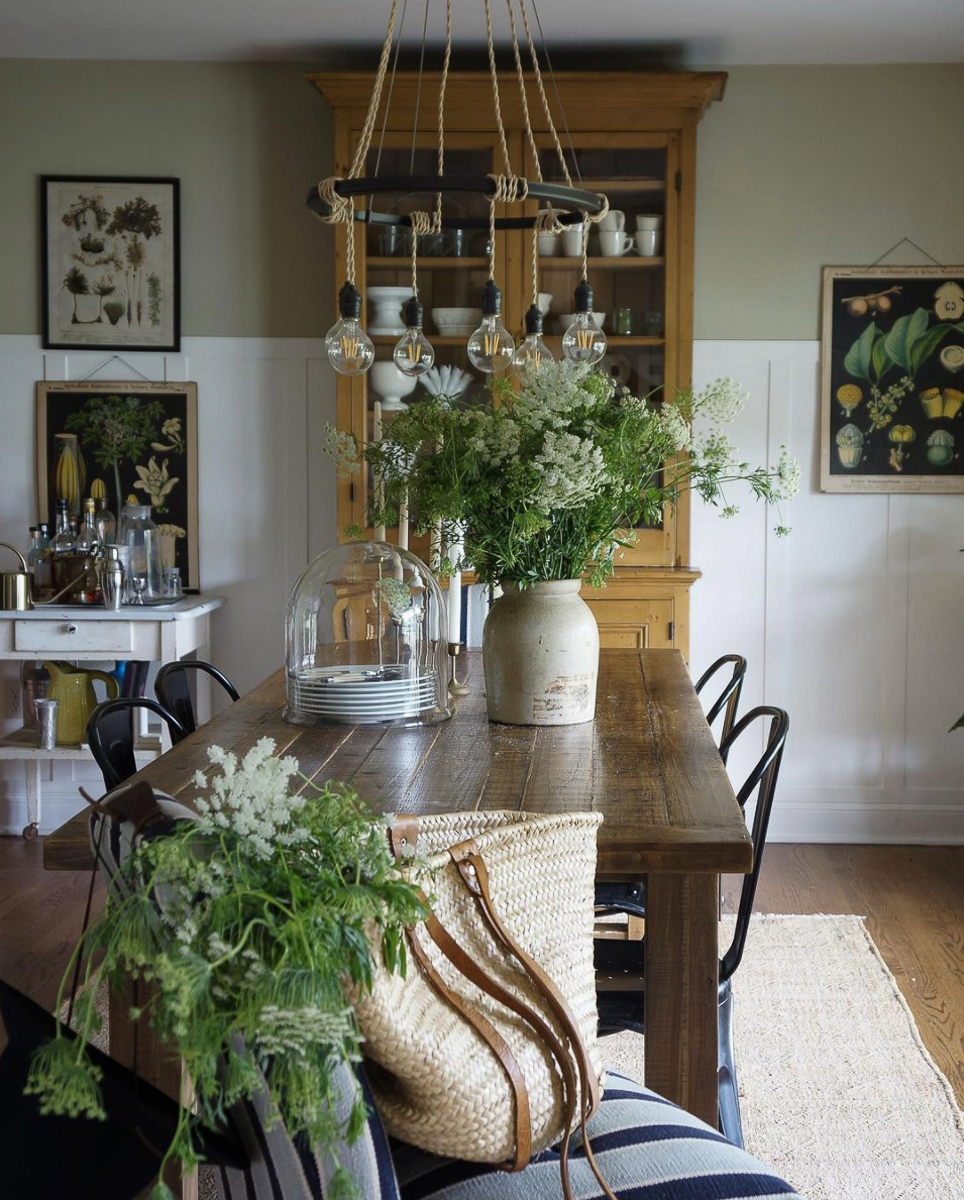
(377, 437)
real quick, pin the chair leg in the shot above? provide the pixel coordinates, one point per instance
(731, 1126)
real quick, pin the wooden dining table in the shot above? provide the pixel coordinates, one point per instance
(648, 762)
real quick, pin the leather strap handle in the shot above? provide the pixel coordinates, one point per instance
(474, 874)
(468, 967)
(495, 1042)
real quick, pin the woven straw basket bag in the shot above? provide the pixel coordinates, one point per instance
(486, 1050)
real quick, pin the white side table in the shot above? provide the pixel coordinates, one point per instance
(79, 634)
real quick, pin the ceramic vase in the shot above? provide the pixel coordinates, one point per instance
(540, 653)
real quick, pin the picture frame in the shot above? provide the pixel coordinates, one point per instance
(111, 262)
(892, 380)
(150, 452)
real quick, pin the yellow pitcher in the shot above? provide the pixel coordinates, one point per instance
(73, 689)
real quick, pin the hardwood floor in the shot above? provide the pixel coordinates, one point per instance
(913, 898)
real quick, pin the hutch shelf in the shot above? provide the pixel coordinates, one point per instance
(630, 135)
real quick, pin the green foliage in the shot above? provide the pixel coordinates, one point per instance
(115, 429)
(76, 282)
(136, 217)
(545, 483)
(75, 216)
(254, 926)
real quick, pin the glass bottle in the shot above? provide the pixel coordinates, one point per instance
(144, 582)
(64, 541)
(105, 522)
(87, 540)
(37, 559)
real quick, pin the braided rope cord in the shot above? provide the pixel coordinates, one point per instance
(342, 208)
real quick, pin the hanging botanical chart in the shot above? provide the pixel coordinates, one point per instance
(128, 442)
(111, 263)
(892, 378)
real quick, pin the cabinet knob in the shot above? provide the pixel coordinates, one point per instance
(70, 628)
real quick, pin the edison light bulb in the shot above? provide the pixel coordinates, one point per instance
(533, 352)
(491, 346)
(350, 349)
(584, 341)
(414, 354)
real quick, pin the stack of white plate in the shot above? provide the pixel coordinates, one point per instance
(362, 694)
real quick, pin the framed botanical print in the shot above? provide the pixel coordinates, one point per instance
(892, 379)
(111, 263)
(131, 442)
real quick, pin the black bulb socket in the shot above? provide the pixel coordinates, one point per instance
(413, 313)
(491, 299)
(534, 320)
(349, 302)
(583, 297)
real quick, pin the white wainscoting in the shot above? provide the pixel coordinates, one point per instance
(853, 624)
(267, 497)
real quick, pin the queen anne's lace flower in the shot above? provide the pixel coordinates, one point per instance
(676, 427)
(788, 473)
(572, 471)
(720, 401)
(252, 797)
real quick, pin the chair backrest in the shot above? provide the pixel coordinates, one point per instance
(172, 689)
(728, 701)
(763, 781)
(110, 735)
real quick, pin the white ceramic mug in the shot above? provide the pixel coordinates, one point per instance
(613, 222)
(548, 244)
(612, 245)
(649, 221)
(647, 242)
(572, 241)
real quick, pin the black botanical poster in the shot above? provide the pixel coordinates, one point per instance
(893, 379)
(111, 263)
(131, 442)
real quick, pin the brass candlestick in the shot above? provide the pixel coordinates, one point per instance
(455, 687)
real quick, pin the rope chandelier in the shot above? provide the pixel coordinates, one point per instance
(491, 348)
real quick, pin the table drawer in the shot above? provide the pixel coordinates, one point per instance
(64, 637)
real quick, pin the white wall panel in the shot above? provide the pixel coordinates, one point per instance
(851, 624)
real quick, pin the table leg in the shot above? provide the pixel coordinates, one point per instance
(682, 973)
(134, 1046)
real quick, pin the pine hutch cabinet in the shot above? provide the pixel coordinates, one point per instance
(631, 136)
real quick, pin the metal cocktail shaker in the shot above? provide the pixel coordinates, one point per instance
(46, 723)
(112, 578)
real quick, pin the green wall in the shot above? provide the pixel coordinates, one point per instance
(799, 166)
(246, 140)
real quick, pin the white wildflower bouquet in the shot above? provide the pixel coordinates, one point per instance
(549, 481)
(253, 926)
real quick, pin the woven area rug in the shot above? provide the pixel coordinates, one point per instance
(837, 1090)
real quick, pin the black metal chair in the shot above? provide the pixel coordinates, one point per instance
(172, 689)
(620, 965)
(728, 701)
(110, 735)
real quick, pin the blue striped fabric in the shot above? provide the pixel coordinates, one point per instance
(282, 1168)
(647, 1148)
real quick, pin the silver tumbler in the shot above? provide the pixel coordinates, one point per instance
(112, 578)
(46, 723)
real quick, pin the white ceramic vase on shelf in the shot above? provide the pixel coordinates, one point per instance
(540, 653)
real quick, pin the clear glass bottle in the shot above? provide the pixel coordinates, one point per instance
(144, 581)
(64, 541)
(106, 523)
(87, 539)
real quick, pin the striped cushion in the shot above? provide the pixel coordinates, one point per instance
(286, 1169)
(648, 1149)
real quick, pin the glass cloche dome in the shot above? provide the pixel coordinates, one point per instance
(366, 640)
